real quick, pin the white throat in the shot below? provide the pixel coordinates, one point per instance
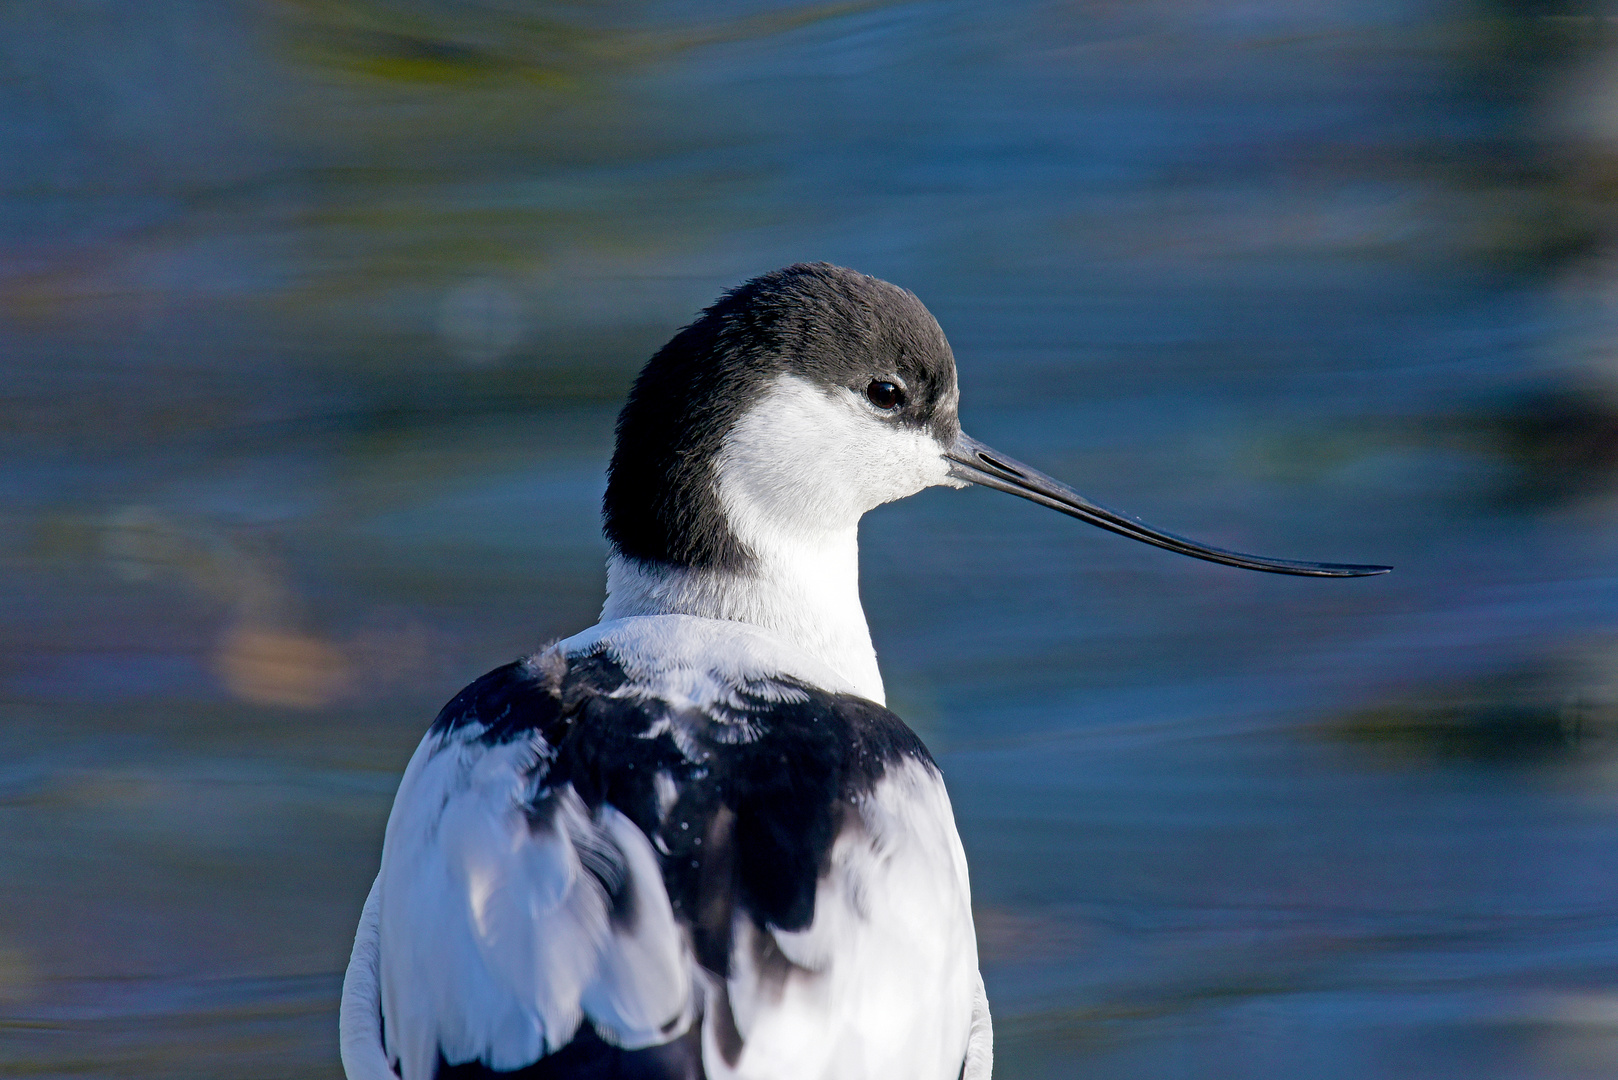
(797, 472)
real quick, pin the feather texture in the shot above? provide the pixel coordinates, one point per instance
(619, 859)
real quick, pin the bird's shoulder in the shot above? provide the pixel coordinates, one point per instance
(596, 711)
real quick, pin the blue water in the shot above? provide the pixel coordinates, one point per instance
(315, 316)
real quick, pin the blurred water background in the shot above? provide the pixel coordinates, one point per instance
(315, 316)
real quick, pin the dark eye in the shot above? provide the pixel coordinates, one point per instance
(884, 395)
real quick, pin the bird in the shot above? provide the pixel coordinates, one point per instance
(691, 842)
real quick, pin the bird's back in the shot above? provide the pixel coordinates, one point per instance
(672, 847)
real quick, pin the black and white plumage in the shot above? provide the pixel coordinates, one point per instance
(691, 842)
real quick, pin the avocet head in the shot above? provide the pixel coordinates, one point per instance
(796, 403)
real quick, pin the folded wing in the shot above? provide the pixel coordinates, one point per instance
(511, 914)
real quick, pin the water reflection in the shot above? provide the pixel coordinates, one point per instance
(1563, 708)
(316, 315)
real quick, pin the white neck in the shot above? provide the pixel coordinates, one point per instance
(796, 473)
(809, 598)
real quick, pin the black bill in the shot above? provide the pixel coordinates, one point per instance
(971, 460)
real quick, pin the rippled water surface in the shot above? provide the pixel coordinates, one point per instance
(315, 316)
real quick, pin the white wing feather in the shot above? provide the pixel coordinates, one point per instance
(359, 1020)
(497, 939)
(886, 974)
